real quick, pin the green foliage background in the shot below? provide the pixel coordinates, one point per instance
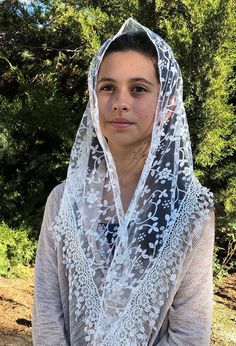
(45, 50)
(16, 251)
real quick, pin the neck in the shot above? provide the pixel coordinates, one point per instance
(129, 163)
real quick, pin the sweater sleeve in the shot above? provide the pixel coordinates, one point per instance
(48, 322)
(190, 315)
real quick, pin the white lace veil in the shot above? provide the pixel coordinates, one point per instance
(120, 286)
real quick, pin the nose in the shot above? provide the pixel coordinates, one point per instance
(120, 103)
(116, 107)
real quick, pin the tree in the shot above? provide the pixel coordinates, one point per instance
(45, 52)
(45, 55)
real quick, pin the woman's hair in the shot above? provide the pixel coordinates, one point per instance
(138, 42)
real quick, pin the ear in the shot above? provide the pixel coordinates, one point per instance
(171, 107)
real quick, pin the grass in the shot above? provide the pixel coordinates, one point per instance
(224, 320)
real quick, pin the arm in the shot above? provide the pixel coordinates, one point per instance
(48, 321)
(190, 315)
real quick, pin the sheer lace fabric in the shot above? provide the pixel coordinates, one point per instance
(121, 287)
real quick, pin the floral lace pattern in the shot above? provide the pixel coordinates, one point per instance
(145, 303)
(120, 288)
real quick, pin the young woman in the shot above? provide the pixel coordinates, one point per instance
(125, 250)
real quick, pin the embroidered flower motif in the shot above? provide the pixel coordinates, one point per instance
(163, 193)
(165, 173)
(92, 197)
(187, 171)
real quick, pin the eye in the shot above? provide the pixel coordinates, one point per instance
(107, 88)
(139, 89)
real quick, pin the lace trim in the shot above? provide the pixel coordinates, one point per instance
(137, 321)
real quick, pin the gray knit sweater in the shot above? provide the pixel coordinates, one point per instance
(184, 321)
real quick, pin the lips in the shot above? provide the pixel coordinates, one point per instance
(120, 123)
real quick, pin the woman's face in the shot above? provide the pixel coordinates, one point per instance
(127, 92)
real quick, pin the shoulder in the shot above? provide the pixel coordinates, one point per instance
(56, 194)
(203, 243)
(211, 216)
(208, 225)
(54, 201)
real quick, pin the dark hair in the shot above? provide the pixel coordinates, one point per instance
(138, 42)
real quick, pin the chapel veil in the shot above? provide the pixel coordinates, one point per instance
(121, 288)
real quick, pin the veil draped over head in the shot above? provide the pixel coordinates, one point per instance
(123, 265)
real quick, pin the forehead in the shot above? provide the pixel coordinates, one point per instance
(128, 62)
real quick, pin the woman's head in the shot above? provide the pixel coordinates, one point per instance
(127, 91)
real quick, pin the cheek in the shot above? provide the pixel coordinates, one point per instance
(147, 115)
(100, 105)
(146, 110)
(102, 111)
(103, 106)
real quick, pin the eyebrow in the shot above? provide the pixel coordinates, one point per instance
(135, 79)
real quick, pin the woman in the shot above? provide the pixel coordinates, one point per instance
(125, 250)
